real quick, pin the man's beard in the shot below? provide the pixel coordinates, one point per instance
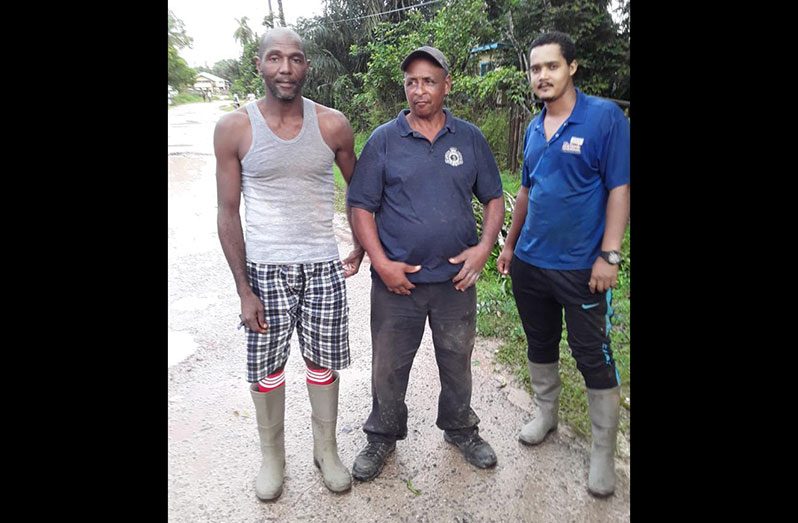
(285, 96)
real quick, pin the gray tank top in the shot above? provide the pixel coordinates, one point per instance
(288, 193)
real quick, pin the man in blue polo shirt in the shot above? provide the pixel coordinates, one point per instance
(411, 210)
(563, 248)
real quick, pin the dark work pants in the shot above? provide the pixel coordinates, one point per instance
(397, 326)
(541, 295)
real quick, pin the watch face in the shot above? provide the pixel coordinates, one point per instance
(614, 258)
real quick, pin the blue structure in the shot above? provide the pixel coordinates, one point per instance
(487, 60)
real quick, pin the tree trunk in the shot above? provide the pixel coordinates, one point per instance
(280, 12)
(269, 22)
(515, 138)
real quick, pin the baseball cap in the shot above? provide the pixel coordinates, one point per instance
(429, 52)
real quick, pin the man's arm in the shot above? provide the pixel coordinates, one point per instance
(336, 130)
(519, 217)
(391, 272)
(604, 275)
(474, 258)
(226, 138)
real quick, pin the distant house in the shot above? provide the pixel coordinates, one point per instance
(488, 56)
(211, 82)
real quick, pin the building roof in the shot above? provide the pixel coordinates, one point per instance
(212, 77)
(488, 47)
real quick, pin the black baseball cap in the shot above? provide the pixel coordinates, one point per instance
(429, 52)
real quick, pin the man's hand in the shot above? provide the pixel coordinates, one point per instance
(473, 260)
(504, 260)
(603, 277)
(352, 262)
(393, 276)
(252, 313)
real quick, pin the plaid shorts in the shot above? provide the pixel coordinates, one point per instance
(308, 296)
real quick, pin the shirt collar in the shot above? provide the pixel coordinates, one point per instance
(577, 113)
(404, 127)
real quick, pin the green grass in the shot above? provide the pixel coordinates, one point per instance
(497, 317)
(511, 182)
(185, 98)
(340, 183)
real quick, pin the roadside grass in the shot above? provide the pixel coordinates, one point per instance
(185, 98)
(340, 183)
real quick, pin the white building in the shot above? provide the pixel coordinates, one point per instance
(211, 82)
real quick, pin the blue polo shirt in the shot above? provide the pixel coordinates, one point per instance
(569, 178)
(420, 192)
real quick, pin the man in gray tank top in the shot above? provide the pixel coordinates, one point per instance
(278, 152)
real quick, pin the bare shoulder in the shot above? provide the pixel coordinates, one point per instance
(335, 128)
(237, 120)
(331, 119)
(232, 135)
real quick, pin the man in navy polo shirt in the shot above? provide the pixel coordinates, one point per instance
(411, 210)
(563, 248)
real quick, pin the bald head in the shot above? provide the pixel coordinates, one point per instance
(279, 35)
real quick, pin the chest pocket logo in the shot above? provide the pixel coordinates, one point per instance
(453, 157)
(574, 146)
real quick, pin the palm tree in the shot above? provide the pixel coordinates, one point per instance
(176, 32)
(243, 34)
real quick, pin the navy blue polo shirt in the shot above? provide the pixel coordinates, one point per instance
(569, 178)
(420, 192)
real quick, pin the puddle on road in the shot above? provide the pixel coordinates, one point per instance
(180, 346)
(192, 303)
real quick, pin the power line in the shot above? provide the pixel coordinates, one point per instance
(387, 12)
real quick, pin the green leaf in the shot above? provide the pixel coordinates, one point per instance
(412, 489)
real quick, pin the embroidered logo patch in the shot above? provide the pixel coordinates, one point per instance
(574, 146)
(453, 157)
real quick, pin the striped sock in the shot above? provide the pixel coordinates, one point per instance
(272, 381)
(319, 377)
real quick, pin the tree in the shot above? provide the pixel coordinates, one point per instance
(268, 20)
(457, 28)
(602, 48)
(337, 44)
(227, 69)
(179, 74)
(601, 51)
(248, 79)
(280, 12)
(177, 33)
(243, 34)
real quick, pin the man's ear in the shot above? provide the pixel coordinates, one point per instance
(573, 66)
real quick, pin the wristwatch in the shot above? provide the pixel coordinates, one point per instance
(612, 257)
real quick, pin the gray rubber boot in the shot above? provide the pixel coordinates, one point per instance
(546, 385)
(604, 409)
(324, 417)
(270, 413)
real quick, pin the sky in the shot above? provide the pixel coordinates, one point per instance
(211, 23)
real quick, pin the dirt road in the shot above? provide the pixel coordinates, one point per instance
(213, 445)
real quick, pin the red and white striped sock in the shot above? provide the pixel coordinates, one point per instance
(272, 381)
(319, 377)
